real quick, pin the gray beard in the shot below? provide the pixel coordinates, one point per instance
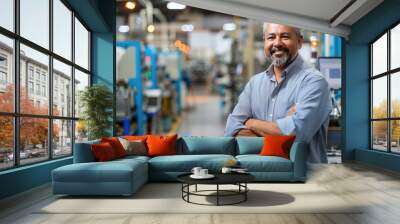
(280, 61)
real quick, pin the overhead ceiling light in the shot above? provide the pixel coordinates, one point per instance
(130, 5)
(123, 29)
(151, 28)
(229, 26)
(175, 6)
(187, 28)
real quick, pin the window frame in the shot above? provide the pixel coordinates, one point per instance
(388, 74)
(16, 114)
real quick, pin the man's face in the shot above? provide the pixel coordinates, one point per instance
(281, 44)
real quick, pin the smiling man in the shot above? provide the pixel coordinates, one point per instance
(289, 98)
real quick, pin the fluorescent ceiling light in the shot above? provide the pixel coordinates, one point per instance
(123, 29)
(229, 26)
(187, 28)
(175, 6)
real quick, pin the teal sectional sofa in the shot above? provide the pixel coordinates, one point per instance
(125, 176)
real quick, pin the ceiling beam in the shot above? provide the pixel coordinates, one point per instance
(346, 12)
(268, 15)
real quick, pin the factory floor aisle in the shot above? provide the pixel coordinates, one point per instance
(205, 116)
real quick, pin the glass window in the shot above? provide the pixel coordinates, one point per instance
(34, 21)
(62, 137)
(62, 29)
(7, 74)
(40, 62)
(81, 45)
(395, 95)
(30, 87)
(379, 98)
(395, 47)
(379, 135)
(379, 56)
(81, 131)
(62, 72)
(6, 142)
(395, 136)
(81, 81)
(34, 142)
(7, 14)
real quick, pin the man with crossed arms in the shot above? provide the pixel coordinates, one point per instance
(289, 98)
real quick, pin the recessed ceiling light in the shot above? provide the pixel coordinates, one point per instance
(130, 5)
(175, 6)
(123, 29)
(229, 26)
(187, 28)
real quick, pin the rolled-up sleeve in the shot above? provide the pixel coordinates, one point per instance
(313, 106)
(240, 113)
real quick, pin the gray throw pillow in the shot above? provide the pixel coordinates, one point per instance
(137, 148)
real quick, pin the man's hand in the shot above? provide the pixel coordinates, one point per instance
(292, 110)
(246, 132)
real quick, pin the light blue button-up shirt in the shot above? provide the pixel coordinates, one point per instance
(264, 98)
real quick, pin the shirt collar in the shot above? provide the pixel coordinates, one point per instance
(293, 66)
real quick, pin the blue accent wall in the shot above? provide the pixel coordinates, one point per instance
(99, 16)
(356, 102)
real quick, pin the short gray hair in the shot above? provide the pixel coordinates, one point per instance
(296, 30)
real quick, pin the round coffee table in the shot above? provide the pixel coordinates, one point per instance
(238, 179)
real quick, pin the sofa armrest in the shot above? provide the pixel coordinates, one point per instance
(298, 155)
(83, 152)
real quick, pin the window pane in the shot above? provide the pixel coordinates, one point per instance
(35, 21)
(34, 97)
(62, 29)
(33, 139)
(395, 136)
(7, 14)
(6, 74)
(81, 45)
(395, 94)
(395, 47)
(379, 135)
(62, 89)
(6, 142)
(81, 81)
(379, 55)
(81, 132)
(62, 138)
(379, 98)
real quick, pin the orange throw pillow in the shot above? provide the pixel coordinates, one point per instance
(161, 145)
(277, 145)
(116, 145)
(135, 138)
(103, 152)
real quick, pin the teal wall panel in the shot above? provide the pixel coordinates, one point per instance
(356, 95)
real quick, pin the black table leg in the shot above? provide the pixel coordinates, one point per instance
(217, 194)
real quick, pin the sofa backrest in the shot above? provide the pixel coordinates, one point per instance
(249, 145)
(206, 145)
(83, 152)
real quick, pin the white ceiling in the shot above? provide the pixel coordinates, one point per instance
(315, 15)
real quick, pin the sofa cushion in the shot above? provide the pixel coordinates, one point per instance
(185, 163)
(135, 147)
(249, 145)
(116, 145)
(103, 152)
(257, 163)
(83, 152)
(159, 145)
(277, 145)
(206, 145)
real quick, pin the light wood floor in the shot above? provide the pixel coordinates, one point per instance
(379, 189)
